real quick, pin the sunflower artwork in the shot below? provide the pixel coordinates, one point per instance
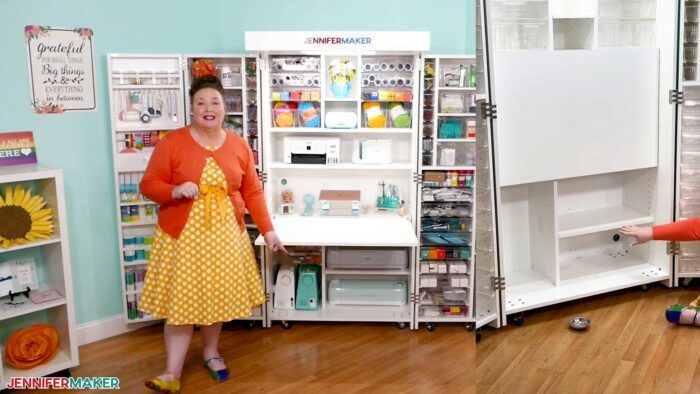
(23, 218)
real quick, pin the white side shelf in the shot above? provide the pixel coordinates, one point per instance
(597, 220)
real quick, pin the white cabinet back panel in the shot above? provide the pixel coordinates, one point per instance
(566, 114)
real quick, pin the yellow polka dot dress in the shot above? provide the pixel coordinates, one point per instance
(209, 274)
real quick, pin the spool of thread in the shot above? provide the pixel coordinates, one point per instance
(134, 213)
(129, 255)
(128, 241)
(148, 240)
(147, 254)
(138, 240)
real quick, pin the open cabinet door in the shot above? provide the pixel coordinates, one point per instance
(583, 144)
(489, 284)
(687, 98)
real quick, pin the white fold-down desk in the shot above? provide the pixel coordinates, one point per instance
(377, 230)
(367, 230)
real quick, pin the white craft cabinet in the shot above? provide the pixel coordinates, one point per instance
(583, 136)
(162, 82)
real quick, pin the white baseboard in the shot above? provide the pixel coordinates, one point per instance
(105, 328)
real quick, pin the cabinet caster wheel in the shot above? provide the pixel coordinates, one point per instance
(478, 334)
(249, 325)
(286, 325)
(644, 287)
(470, 327)
(518, 319)
(685, 282)
(430, 326)
(402, 325)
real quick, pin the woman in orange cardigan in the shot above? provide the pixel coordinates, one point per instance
(684, 230)
(202, 268)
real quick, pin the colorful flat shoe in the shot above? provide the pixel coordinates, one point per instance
(164, 386)
(220, 375)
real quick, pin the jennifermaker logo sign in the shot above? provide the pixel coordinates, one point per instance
(339, 40)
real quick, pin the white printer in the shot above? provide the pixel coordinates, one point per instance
(311, 150)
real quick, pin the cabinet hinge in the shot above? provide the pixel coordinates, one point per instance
(673, 248)
(262, 175)
(418, 178)
(262, 65)
(415, 298)
(267, 297)
(498, 283)
(675, 97)
(183, 65)
(489, 110)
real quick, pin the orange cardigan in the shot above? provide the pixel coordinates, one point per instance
(684, 230)
(178, 158)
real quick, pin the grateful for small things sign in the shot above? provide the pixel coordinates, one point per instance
(17, 148)
(61, 69)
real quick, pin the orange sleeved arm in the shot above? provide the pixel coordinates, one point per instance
(254, 197)
(156, 183)
(684, 230)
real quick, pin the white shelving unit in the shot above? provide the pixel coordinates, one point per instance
(52, 258)
(243, 119)
(564, 185)
(170, 77)
(386, 72)
(131, 78)
(445, 267)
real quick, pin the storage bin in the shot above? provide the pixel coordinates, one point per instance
(455, 154)
(689, 70)
(691, 33)
(518, 10)
(690, 191)
(690, 174)
(690, 138)
(690, 53)
(520, 35)
(452, 128)
(689, 209)
(453, 103)
(691, 12)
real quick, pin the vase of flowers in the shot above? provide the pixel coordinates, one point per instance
(341, 72)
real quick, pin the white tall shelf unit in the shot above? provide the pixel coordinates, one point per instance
(169, 76)
(377, 229)
(433, 86)
(583, 138)
(56, 267)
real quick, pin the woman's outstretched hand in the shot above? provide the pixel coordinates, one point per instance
(273, 242)
(640, 234)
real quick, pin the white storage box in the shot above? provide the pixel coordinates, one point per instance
(367, 258)
(367, 292)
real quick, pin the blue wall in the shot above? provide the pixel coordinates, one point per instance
(79, 143)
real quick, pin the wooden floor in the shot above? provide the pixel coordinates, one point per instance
(629, 348)
(309, 358)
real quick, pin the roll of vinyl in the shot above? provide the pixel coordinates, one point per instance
(376, 67)
(280, 82)
(317, 66)
(317, 82)
(408, 67)
(273, 82)
(372, 77)
(392, 66)
(365, 82)
(399, 66)
(408, 81)
(392, 82)
(309, 82)
(277, 65)
(384, 66)
(378, 82)
(385, 82)
(367, 67)
(400, 81)
(305, 60)
(308, 66)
